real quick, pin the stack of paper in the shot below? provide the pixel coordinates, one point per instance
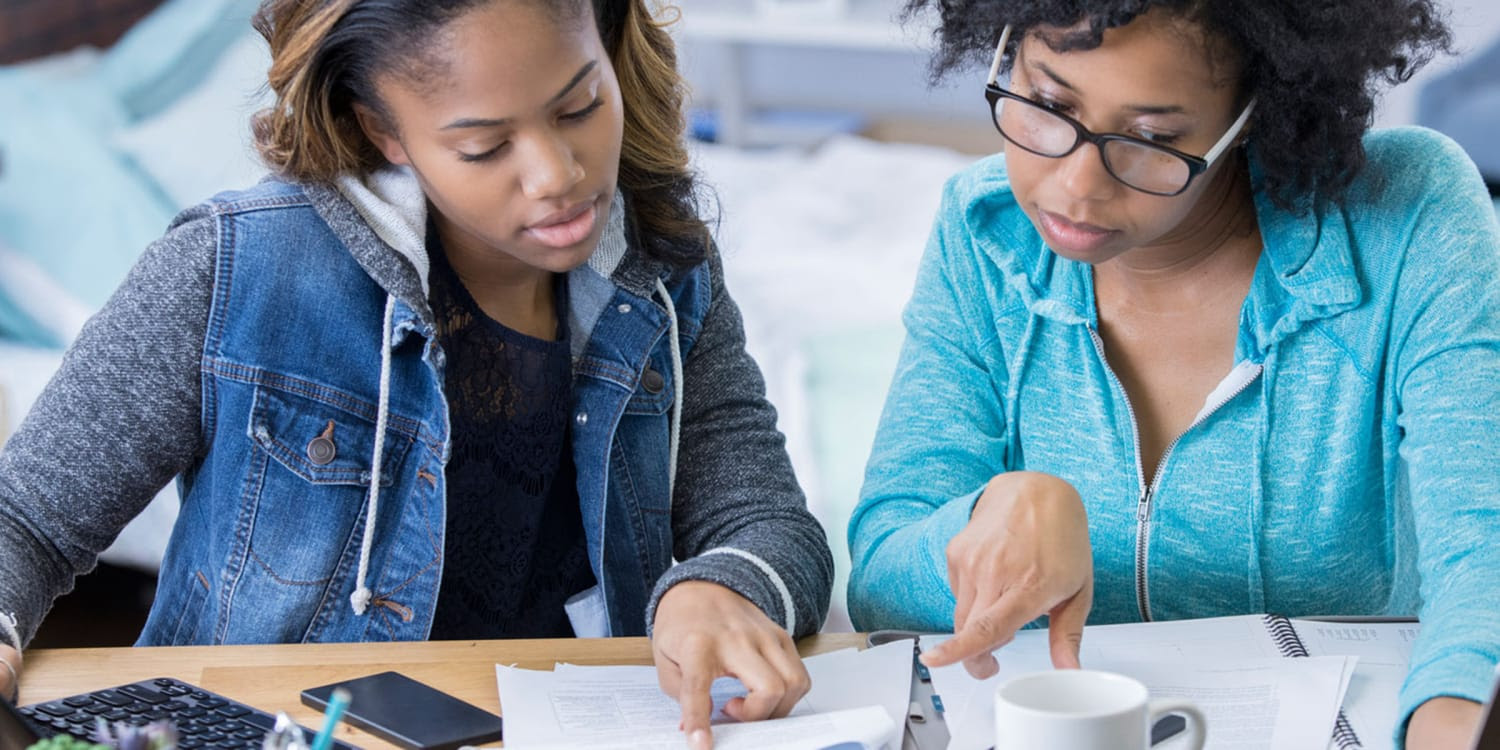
(856, 696)
(1384, 653)
(1250, 700)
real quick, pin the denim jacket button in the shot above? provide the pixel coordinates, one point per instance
(583, 418)
(321, 451)
(624, 309)
(653, 381)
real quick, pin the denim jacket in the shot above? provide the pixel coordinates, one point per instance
(309, 401)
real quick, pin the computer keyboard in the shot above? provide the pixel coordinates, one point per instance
(202, 719)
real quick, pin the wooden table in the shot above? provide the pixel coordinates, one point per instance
(271, 678)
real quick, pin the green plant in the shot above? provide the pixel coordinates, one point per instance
(65, 742)
(158, 735)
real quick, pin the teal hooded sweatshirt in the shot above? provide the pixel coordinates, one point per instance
(1349, 464)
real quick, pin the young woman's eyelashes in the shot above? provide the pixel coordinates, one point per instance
(585, 113)
(1050, 102)
(575, 116)
(1161, 138)
(484, 156)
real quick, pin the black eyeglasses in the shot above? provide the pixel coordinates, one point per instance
(1139, 164)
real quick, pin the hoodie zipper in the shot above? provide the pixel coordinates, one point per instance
(1148, 491)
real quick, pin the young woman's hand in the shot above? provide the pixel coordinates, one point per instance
(8, 686)
(704, 631)
(1024, 553)
(1443, 723)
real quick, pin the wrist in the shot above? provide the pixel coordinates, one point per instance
(1443, 721)
(10, 674)
(1007, 489)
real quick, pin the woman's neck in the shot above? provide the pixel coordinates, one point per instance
(518, 296)
(1214, 249)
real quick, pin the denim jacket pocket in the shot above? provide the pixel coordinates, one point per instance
(320, 441)
(312, 492)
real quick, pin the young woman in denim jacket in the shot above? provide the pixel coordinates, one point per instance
(465, 368)
(1197, 344)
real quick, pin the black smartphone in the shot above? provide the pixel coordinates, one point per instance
(408, 713)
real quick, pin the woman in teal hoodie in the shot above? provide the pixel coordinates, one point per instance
(1197, 344)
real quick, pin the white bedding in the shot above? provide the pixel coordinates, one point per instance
(820, 251)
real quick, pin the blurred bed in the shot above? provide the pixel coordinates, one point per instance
(117, 136)
(85, 174)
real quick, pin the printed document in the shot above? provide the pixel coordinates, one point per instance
(856, 696)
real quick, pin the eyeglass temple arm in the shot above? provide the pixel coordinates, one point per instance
(999, 54)
(1229, 135)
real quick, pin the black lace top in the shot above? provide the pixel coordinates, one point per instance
(514, 549)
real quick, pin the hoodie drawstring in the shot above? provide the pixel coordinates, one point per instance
(9, 632)
(666, 298)
(360, 599)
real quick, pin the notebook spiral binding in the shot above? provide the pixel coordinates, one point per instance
(1290, 645)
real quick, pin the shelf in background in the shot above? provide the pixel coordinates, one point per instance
(734, 28)
(872, 29)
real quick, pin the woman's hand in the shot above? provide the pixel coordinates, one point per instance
(1024, 553)
(1443, 723)
(704, 631)
(8, 687)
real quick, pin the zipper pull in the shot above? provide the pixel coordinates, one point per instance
(1143, 508)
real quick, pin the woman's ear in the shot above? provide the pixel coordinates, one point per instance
(380, 133)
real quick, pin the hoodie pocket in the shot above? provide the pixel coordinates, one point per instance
(312, 491)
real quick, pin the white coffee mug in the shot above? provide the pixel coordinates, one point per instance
(1081, 709)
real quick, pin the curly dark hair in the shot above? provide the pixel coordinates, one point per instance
(1312, 66)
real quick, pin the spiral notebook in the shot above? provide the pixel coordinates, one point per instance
(1384, 649)
(1380, 648)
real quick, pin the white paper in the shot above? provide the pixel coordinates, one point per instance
(869, 726)
(1224, 662)
(859, 696)
(1384, 651)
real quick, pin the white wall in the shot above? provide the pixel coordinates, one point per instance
(1475, 24)
(895, 84)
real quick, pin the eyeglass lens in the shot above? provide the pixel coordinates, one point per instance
(1044, 132)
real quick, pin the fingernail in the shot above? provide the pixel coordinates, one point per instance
(700, 740)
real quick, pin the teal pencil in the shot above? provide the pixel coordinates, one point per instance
(337, 703)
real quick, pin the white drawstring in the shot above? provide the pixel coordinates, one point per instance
(360, 599)
(677, 388)
(8, 631)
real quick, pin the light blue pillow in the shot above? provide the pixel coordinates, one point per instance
(18, 327)
(170, 51)
(215, 119)
(69, 202)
